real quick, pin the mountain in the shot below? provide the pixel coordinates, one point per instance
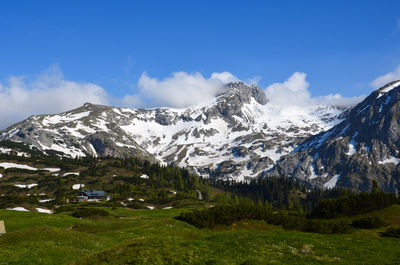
(363, 147)
(237, 135)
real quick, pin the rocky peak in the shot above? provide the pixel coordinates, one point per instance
(236, 136)
(362, 148)
(245, 92)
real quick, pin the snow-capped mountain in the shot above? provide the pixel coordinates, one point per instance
(363, 147)
(238, 135)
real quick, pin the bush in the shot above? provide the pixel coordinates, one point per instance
(135, 205)
(228, 214)
(392, 232)
(11, 200)
(368, 222)
(353, 205)
(90, 212)
(224, 214)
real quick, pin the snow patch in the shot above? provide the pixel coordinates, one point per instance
(77, 186)
(352, 149)
(332, 182)
(25, 186)
(14, 165)
(51, 169)
(54, 119)
(313, 174)
(387, 89)
(71, 173)
(41, 210)
(19, 209)
(46, 200)
(392, 159)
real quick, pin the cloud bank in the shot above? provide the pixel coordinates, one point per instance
(294, 92)
(386, 78)
(47, 93)
(181, 89)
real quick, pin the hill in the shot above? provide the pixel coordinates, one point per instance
(155, 237)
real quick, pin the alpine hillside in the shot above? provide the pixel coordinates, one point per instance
(238, 135)
(362, 148)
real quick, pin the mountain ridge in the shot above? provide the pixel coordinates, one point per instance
(238, 135)
(362, 148)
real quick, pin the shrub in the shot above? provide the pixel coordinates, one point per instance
(135, 205)
(228, 214)
(224, 214)
(353, 205)
(90, 212)
(368, 222)
(392, 232)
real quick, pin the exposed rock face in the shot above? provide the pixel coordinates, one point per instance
(239, 135)
(80, 132)
(364, 147)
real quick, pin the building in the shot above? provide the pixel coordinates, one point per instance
(92, 195)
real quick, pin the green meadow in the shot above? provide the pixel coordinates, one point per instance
(130, 236)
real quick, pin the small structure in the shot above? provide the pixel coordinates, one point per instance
(92, 195)
(2, 228)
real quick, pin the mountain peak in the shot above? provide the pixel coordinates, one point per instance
(244, 92)
(362, 148)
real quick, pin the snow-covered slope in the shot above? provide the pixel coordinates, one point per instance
(238, 135)
(362, 148)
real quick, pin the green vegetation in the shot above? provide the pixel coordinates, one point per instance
(90, 212)
(295, 220)
(392, 232)
(277, 220)
(131, 181)
(246, 210)
(353, 204)
(368, 222)
(155, 237)
(282, 192)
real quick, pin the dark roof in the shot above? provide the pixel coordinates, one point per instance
(93, 193)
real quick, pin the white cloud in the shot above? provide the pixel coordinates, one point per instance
(253, 81)
(337, 99)
(294, 92)
(47, 93)
(386, 78)
(131, 101)
(225, 77)
(182, 89)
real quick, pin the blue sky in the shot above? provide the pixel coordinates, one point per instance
(342, 46)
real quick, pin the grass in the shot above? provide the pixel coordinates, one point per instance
(155, 237)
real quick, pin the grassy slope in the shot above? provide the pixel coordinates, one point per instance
(154, 237)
